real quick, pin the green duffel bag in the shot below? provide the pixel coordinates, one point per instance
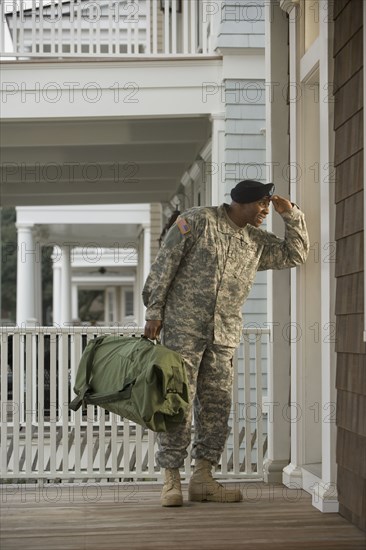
(134, 378)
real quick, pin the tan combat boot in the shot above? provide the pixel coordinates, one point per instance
(202, 486)
(171, 494)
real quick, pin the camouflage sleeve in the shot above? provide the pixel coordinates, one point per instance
(175, 246)
(293, 249)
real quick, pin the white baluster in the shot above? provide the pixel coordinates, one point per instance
(59, 36)
(148, 28)
(17, 402)
(53, 26)
(129, 37)
(101, 433)
(63, 403)
(138, 450)
(247, 424)
(53, 402)
(235, 421)
(151, 452)
(114, 443)
(136, 24)
(155, 26)
(126, 448)
(193, 28)
(4, 400)
(174, 26)
(28, 403)
(97, 30)
(205, 26)
(111, 14)
(40, 403)
(185, 12)
(166, 27)
(40, 35)
(34, 28)
(79, 28)
(76, 416)
(14, 21)
(259, 400)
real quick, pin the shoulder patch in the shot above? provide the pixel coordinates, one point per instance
(182, 225)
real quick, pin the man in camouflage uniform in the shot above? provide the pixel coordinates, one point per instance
(195, 290)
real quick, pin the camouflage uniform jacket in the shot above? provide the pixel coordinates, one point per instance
(201, 278)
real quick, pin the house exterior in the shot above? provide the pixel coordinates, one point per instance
(199, 96)
(322, 122)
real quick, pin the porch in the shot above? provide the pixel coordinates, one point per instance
(129, 517)
(113, 28)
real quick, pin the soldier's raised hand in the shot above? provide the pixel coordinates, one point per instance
(281, 204)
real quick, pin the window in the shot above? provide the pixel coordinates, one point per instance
(129, 305)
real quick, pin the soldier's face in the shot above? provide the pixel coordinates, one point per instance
(256, 212)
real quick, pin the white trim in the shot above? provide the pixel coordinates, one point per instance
(206, 151)
(186, 179)
(324, 495)
(327, 273)
(295, 288)
(195, 171)
(364, 163)
(217, 158)
(84, 281)
(310, 61)
(288, 5)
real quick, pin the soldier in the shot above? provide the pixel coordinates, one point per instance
(195, 291)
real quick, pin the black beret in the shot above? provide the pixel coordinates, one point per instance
(250, 191)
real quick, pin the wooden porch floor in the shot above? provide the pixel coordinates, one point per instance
(129, 517)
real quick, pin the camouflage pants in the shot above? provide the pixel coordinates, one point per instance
(210, 373)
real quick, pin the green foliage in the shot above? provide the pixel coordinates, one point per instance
(47, 284)
(8, 264)
(91, 305)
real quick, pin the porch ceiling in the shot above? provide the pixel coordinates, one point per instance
(93, 161)
(111, 236)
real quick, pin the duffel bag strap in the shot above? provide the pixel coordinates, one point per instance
(102, 398)
(77, 402)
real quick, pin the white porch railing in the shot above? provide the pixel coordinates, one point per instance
(42, 439)
(112, 28)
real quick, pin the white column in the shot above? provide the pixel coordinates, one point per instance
(277, 144)
(325, 496)
(146, 263)
(38, 285)
(28, 255)
(65, 286)
(56, 291)
(217, 167)
(292, 474)
(74, 301)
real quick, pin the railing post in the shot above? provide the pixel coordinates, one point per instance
(68, 443)
(4, 398)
